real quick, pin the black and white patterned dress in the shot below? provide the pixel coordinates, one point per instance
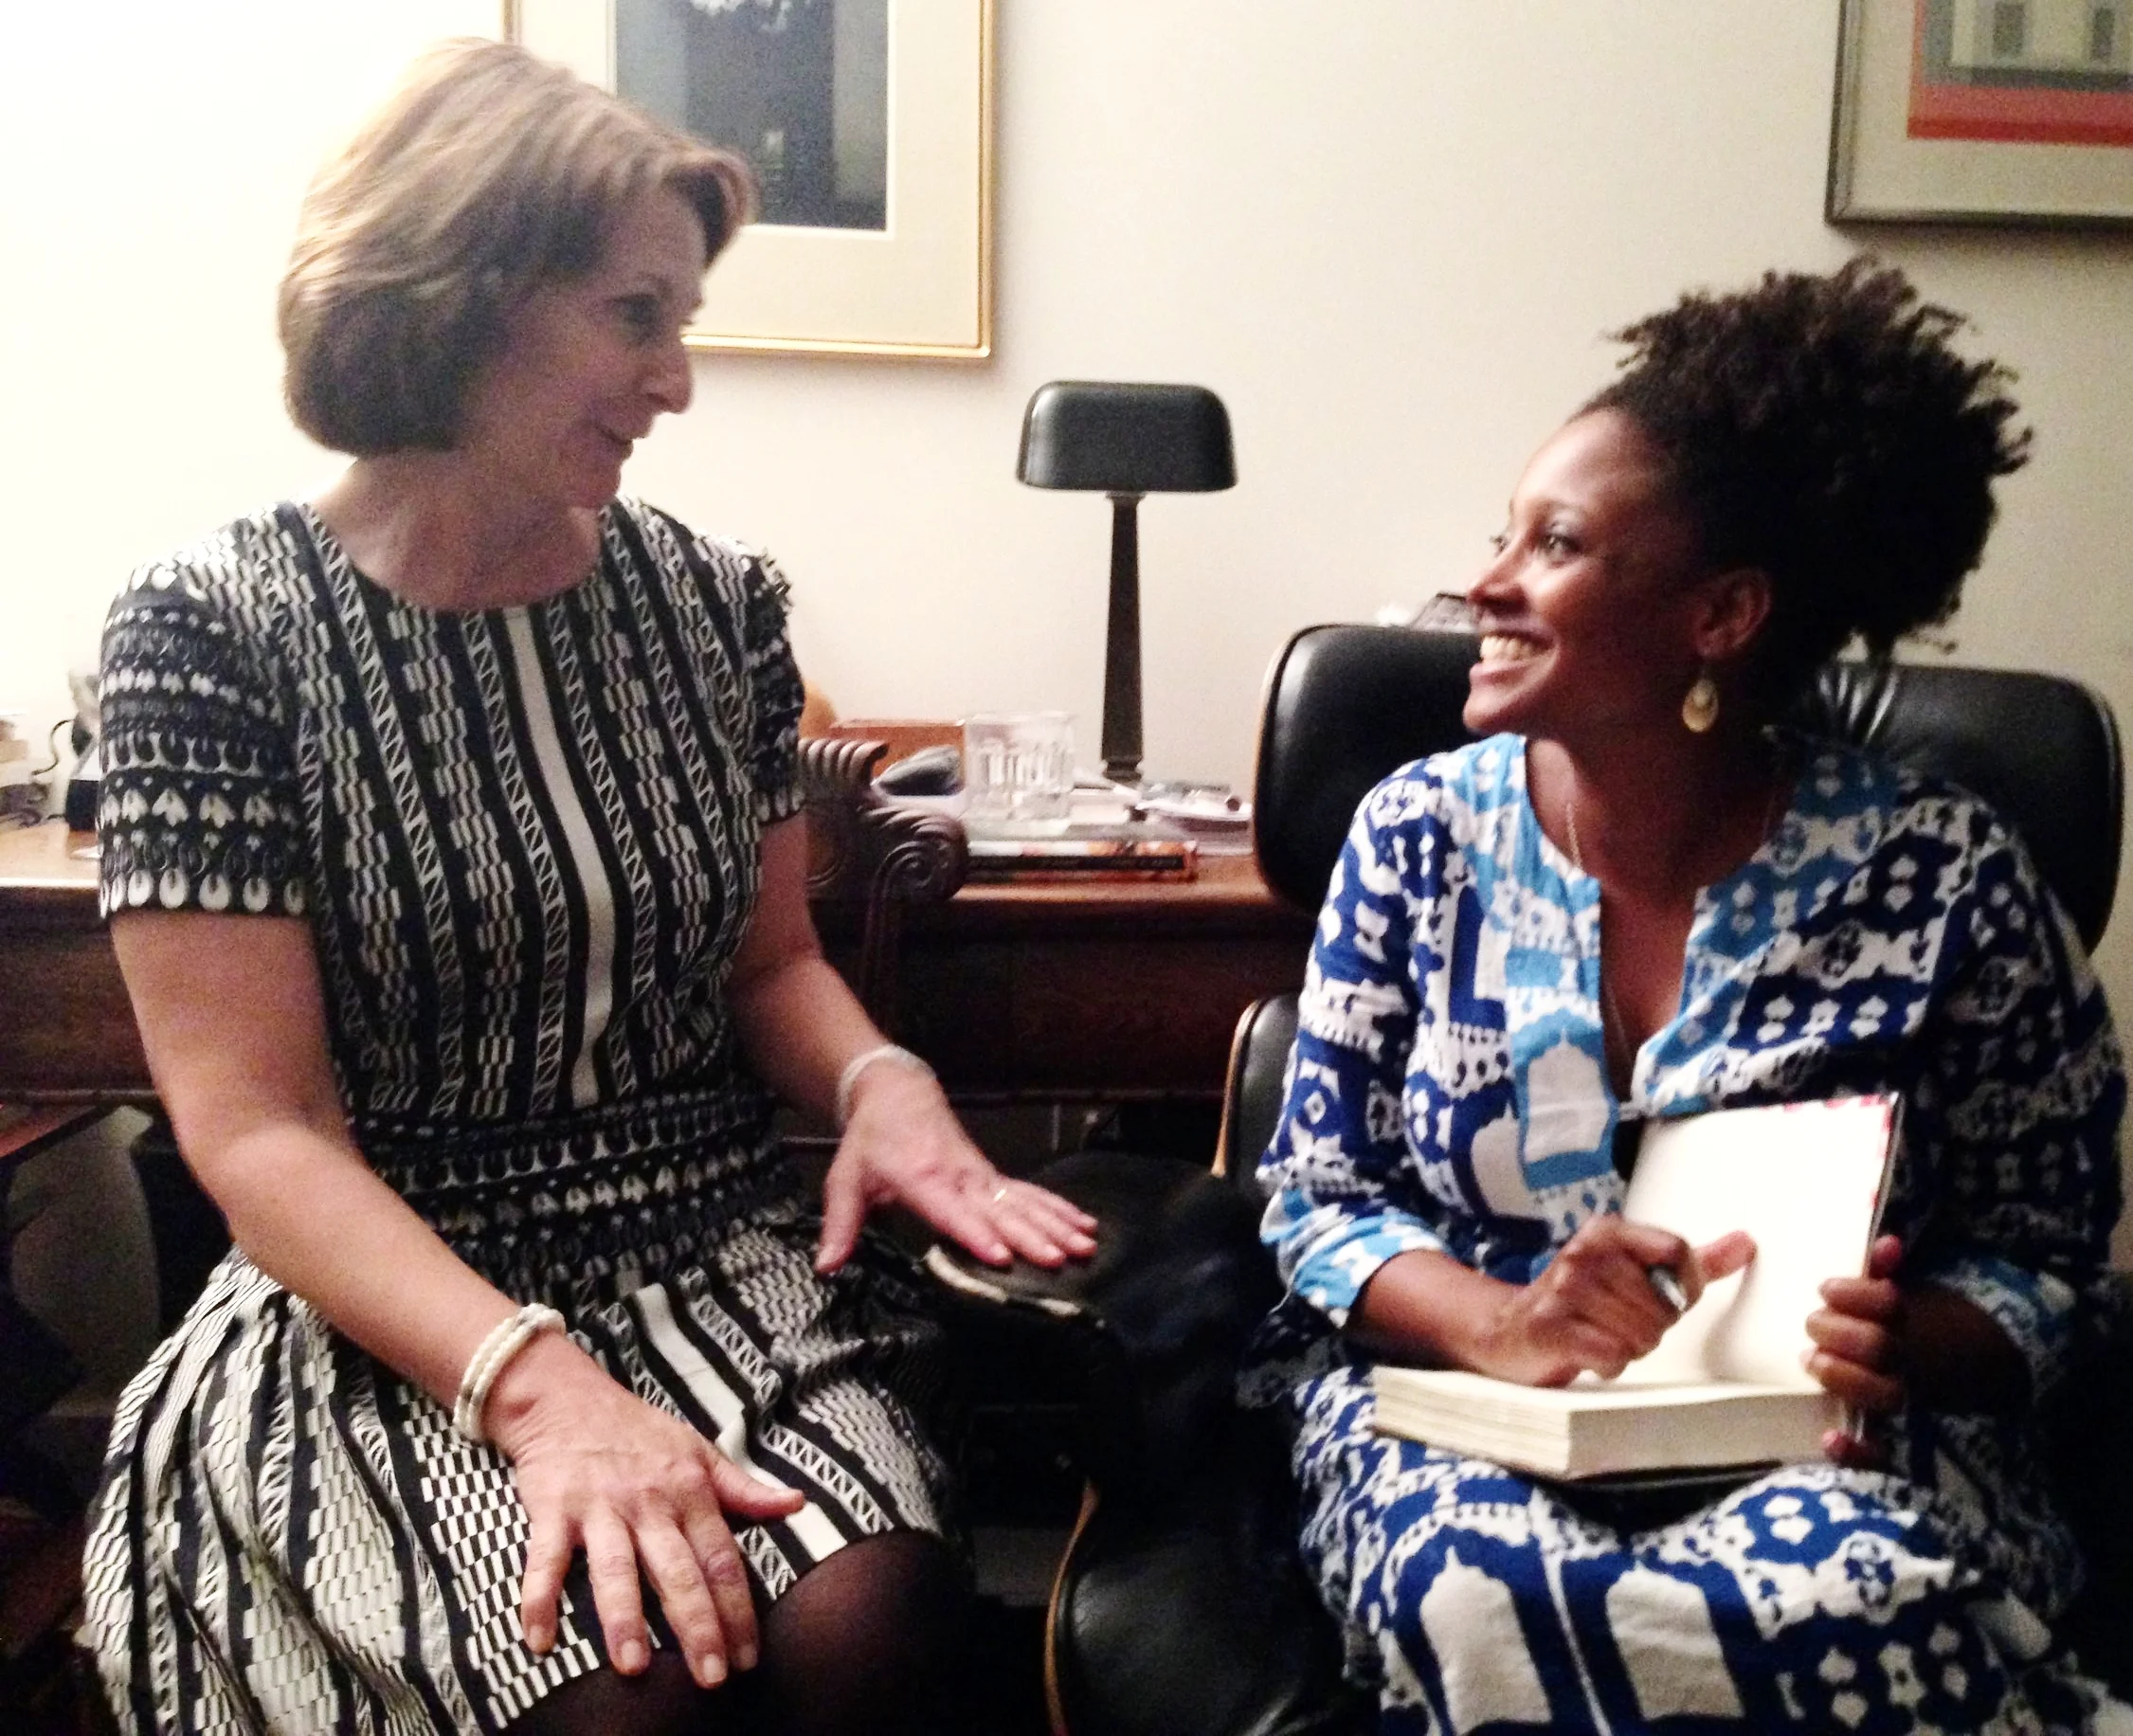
(526, 841)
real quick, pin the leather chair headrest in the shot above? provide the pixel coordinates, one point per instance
(1346, 704)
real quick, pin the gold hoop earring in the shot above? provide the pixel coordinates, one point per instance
(1699, 707)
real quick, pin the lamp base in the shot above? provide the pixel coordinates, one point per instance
(1122, 645)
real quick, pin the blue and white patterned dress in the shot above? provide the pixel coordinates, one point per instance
(1448, 1092)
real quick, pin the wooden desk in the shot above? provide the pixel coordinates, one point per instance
(1111, 990)
(1122, 989)
(66, 1032)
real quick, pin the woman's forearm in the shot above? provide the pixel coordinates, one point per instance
(798, 1022)
(1592, 1307)
(232, 1019)
(313, 1216)
(799, 1025)
(1428, 1308)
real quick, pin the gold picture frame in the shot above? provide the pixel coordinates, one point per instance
(1963, 110)
(921, 286)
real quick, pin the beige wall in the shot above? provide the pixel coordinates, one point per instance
(1387, 231)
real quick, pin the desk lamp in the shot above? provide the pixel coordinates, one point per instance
(1125, 441)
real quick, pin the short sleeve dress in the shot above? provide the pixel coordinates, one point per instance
(1449, 1093)
(527, 842)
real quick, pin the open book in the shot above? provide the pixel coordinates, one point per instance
(1725, 1386)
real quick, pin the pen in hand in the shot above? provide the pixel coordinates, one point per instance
(1716, 1260)
(1667, 1288)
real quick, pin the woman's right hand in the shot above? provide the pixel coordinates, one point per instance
(234, 1019)
(635, 1488)
(1594, 1305)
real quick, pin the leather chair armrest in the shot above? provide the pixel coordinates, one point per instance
(1180, 1609)
(1193, 1617)
(1152, 1325)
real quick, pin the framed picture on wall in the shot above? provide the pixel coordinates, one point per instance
(869, 125)
(1983, 110)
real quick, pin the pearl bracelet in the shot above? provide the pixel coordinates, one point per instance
(491, 1357)
(848, 1080)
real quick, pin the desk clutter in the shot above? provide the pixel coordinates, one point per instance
(1009, 780)
(22, 797)
(1114, 832)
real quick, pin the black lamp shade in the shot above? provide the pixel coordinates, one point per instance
(1126, 438)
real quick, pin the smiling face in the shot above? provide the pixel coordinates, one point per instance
(591, 363)
(1590, 609)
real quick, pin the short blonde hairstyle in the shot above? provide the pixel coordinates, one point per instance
(487, 175)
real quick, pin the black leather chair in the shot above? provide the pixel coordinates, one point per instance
(1179, 1606)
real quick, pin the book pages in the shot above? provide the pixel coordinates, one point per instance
(1806, 1181)
(1588, 1429)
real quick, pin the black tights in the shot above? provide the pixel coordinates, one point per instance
(866, 1642)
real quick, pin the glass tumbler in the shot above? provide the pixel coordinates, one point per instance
(1018, 767)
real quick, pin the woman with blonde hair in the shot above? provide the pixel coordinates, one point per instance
(452, 854)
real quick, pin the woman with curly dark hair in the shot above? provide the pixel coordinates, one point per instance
(1639, 897)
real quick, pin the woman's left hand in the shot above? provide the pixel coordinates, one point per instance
(904, 1146)
(1858, 1354)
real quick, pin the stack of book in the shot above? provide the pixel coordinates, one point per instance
(1133, 851)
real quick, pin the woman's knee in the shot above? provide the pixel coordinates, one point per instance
(869, 1639)
(664, 1700)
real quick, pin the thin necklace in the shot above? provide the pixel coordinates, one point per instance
(1615, 1028)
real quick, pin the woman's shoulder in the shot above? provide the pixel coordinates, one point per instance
(1469, 790)
(726, 597)
(1928, 843)
(235, 599)
(200, 644)
(1846, 787)
(729, 564)
(249, 561)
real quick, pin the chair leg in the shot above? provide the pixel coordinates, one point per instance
(1054, 1697)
